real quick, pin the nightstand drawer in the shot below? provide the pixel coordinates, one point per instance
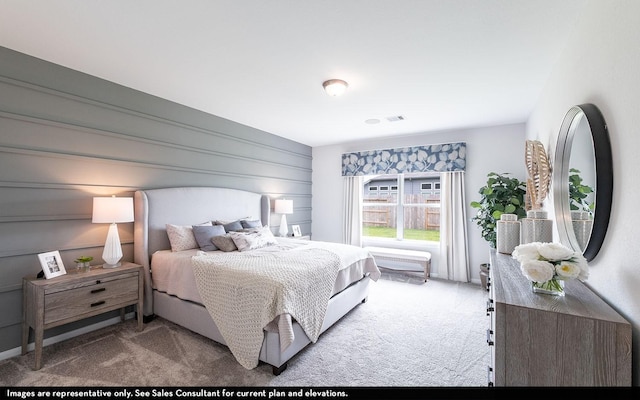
(88, 299)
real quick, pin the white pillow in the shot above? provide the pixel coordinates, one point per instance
(182, 237)
(261, 237)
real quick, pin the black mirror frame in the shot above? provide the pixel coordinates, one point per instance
(604, 179)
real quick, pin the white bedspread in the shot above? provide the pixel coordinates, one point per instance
(173, 273)
(245, 291)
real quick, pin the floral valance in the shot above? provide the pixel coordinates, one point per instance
(434, 158)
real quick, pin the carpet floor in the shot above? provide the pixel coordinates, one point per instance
(408, 334)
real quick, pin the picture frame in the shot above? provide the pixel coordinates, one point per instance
(51, 264)
(296, 230)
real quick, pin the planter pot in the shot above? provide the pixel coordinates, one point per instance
(83, 266)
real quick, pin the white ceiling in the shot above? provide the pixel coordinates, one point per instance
(441, 64)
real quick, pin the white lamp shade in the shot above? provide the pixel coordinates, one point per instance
(111, 210)
(107, 210)
(283, 206)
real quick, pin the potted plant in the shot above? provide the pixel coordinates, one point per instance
(501, 195)
(83, 263)
(578, 193)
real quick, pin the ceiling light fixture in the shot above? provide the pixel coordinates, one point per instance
(335, 87)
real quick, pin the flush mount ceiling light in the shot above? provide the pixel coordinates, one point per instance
(335, 87)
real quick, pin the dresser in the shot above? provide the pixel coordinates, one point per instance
(544, 340)
(77, 295)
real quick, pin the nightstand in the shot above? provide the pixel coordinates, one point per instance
(77, 295)
(303, 237)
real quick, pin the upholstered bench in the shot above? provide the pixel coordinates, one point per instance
(413, 256)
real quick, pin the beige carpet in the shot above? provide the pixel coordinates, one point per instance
(406, 334)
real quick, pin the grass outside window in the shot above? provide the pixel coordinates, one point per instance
(409, 234)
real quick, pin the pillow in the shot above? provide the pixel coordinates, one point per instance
(251, 224)
(224, 242)
(245, 241)
(230, 226)
(181, 237)
(204, 234)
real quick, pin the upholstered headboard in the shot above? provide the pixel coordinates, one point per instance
(155, 208)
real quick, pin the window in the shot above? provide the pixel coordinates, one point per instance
(406, 207)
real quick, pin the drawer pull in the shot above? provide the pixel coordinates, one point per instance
(490, 307)
(98, 303)
(98, 290)
(489, 377)
(489, 333)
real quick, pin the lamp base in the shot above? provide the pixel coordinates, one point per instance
(112, 253)
(283, 226)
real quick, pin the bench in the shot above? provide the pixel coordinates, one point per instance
(421, 257)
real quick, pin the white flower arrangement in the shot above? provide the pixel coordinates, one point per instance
(544, 264)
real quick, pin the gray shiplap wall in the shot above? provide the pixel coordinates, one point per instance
(66, 137)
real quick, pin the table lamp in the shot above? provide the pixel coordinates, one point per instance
(111, 210)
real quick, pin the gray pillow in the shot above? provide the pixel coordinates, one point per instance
(230, 226)
(204, 234)
(251, 224)
(224, 243)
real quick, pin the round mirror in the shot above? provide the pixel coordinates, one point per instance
(583, 180)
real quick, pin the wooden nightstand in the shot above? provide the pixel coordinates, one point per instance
(77, 295)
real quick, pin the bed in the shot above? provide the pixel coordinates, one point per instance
(184, 285)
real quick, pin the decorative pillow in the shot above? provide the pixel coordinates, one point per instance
(224, 242)
(245, 241)
(204, 234)
(230, 226)
(182, 237)
(251, 224)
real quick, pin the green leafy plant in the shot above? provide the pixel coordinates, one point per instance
(578, 193)
(83, 259)
(501, 195)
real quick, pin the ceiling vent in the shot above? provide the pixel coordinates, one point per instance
(395, 118)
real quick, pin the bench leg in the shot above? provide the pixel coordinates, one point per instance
(427, 271)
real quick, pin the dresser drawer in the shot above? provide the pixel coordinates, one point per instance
(92, 298)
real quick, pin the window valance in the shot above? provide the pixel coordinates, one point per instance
(434, 158)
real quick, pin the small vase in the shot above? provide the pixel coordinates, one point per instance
(83, 266)
(553, 287)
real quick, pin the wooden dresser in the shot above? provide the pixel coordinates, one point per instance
(544, 340)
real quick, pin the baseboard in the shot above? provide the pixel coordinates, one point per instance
(16, 351)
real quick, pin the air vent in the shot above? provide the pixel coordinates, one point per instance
(395, 118)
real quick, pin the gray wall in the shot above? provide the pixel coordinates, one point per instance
(66, 137)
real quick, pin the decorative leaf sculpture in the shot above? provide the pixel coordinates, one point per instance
(539, 173)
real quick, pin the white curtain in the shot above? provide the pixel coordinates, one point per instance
(352, 206)
(454, 254)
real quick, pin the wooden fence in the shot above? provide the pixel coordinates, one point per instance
(427, 218)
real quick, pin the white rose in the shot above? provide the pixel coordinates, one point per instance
(581, 262)
(568, 270)
(526, 252)
(537, 270)
(555, 252)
